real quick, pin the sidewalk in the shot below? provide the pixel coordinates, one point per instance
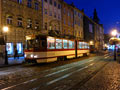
(107, 79)
(12, 61)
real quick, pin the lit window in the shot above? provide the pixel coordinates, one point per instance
(9, 47)
(20, 48)
(29, 23)
(71, 45)
(36, 25)
(50, 43)
(65, 44)
(58, 44)
(80, 45)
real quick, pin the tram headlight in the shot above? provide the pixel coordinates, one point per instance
(35, 56)
(32, 55)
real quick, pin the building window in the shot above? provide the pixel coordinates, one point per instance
(59, 6)
(75, 12)
(55, 4)
(29, 3)
(9, 20)
(36, 25)
(45, 26)
(45, 0)
(50, 13)
(51, 2)
(58, 16)
(36, 6)
(45, 11)
(20, 22)
(29, 23)
(68, 23)
(55, 15)
(68, 13)
(90, 28)
(64, 10)
(19, 1)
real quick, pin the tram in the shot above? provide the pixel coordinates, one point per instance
(44, 49)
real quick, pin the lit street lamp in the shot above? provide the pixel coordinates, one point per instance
(114, 33)
(5, 30)
(113, 41)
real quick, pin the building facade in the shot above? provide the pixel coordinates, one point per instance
(89, 31)
(99, 37)
(93, 34)
(67, 20)
(52, 17)
(22, 17)
(78, 24)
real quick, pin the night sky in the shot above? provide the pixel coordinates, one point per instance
(108, 11)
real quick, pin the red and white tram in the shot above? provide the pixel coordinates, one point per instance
(43, 49)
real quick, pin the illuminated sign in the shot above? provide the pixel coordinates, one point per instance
(20, 48)
(9, 48)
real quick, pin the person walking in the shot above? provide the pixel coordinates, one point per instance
(16, 54)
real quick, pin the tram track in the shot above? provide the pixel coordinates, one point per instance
(52, 74)
(40, 77)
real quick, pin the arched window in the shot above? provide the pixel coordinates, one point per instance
(20, 22)
(9, 20)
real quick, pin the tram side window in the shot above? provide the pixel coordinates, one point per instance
(71, 45)
(65, 43)
(86, 46)
(50, 43)
(58, 44)
(80, 45)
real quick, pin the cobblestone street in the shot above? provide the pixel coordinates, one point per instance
(87, 73)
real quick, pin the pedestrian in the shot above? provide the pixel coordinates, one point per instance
(16, 54)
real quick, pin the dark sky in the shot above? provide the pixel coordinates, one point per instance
(108, 11)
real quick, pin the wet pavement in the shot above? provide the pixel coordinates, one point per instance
(87, 73)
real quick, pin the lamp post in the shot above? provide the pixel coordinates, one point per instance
(114, 42)
(5, 30)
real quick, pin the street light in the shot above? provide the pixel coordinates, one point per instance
(5, 30)
(91, 43)
(114, 33)
(114, 41)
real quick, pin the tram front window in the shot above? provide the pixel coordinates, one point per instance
(33, 44)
